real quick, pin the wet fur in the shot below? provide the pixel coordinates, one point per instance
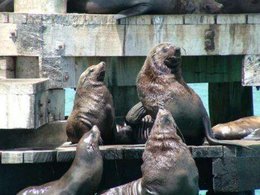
(93, 105)
(168, 167)
(162, 86)
(132, 8)
(84, 175)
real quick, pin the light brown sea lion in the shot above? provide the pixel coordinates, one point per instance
(168, 167)
(93, 105)
(84, 175)
(246, 127)
(160, 85)
(128, 8)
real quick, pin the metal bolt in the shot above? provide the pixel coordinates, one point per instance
(66, 76)
(39, 103)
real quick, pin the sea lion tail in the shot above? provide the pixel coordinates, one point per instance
(213, 141)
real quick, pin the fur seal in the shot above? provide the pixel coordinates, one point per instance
(168, 167)
(84, 175)
(240, 6)
(138, 7)
(246, 127)
(160, 85)
(93, 105)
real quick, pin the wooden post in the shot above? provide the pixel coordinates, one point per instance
(229, 101)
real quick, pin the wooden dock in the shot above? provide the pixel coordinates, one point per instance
(44, 50)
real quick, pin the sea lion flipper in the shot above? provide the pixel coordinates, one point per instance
(212, 141)
(138, 9)
(136, 114)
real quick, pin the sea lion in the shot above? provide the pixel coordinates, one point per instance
(6, 5)
(240, 6)
(160, 85)
(168, 167)
(84, 175)
(246, 127)
(138, 7)
(93, 105)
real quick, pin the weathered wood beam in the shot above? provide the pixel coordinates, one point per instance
(102, 35)
(24, 103)
(66, 153)
(7, 67)
(40, 6)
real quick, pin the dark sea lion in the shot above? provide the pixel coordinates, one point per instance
(240, 6)
(128, 8)
(160, 85)
(246, 127)
(93, 105)
(84, 175)
(6, 5)
(168, 167)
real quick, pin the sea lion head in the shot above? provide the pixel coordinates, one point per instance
(164, 123)
(165, 58)
(210, 7)
(163, 158)
(90, 141)
(93, 74)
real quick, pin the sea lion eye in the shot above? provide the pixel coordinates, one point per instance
(164, 49)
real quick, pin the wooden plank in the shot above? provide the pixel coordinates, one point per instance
(43, 156)
(231, 19)
(134, 37)
(7, 67)
(11, 157)
(253, 19)
(24, 103)
(60, 71)
(229, 101)
(42, 6)
(27, 67)
(251, 70)
(66, 153)
(199, 19)
(207, 152)
(56, 102)
(236, 174)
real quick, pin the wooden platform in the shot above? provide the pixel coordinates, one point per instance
(232, 169)
(215, 49)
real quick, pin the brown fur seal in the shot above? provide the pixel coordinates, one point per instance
(246, 127)
(128, 8)
(240, 6)
(168, 167)
(85, 173)
(93, 105)
(160, 85)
